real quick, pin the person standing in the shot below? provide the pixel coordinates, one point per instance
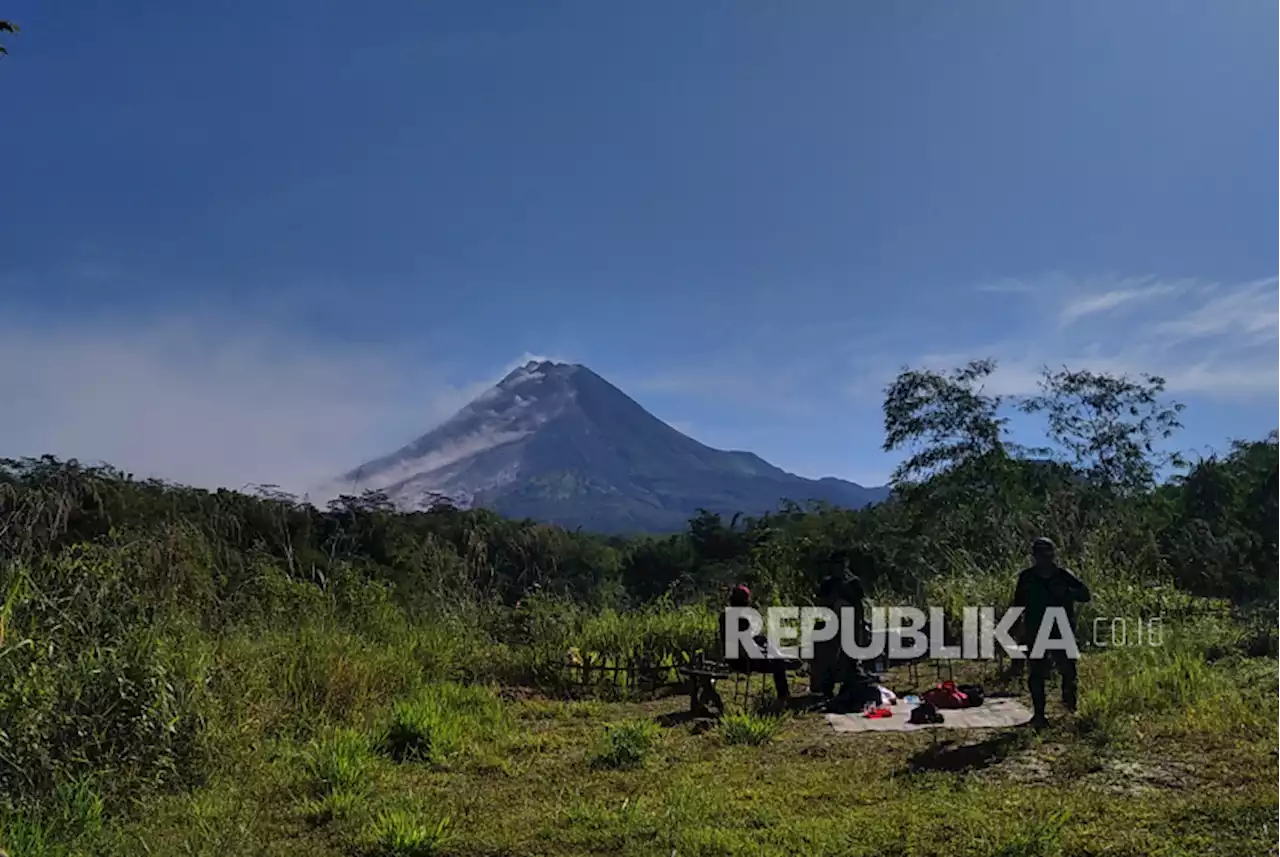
(1042, 586)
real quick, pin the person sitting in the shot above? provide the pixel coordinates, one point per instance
(832, 665)
(766, 660)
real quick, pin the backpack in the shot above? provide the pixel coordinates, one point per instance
(946, 695)
(973, 694)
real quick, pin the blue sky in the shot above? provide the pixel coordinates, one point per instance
(262, 242)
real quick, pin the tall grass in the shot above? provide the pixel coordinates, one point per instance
(655, 637)
(1127, 690)
(746, 728)
(441, 720)
(339, 762)
(70, 822)
(403, 833)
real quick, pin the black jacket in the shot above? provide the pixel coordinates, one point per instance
(1036, 594)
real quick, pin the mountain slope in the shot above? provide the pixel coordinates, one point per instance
(558, 443)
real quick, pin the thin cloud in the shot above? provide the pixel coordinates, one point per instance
(210, 403)
(1213, 340)
(1105, 302)
(1248, 310)
(529, 357)
(1007, 287)
(1049, 283)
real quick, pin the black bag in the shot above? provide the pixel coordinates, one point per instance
(973, 693)
(925, 712)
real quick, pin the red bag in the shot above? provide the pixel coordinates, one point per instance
(877, 713)
(946, 695)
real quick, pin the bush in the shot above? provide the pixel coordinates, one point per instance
(124, 711)
(627, 744)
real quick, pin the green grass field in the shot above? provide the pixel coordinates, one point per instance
(1169, 755)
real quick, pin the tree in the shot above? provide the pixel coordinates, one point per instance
(7, 27)
(1109, 426)
(947, 419)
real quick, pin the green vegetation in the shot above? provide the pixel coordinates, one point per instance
(339, 762)
(401, 833)
(186, 672)
(627, 744)
(439, 720)
(747, 728)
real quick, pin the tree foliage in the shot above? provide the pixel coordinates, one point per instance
(945, 419)
(1110, 426)
(7, 27)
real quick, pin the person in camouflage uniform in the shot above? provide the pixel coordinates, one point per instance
(1042, 586)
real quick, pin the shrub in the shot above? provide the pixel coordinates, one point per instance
(627, 744)
(123, 711)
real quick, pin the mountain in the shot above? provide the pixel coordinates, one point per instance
(557, 443)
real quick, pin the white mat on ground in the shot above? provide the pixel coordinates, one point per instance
(991, 714)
